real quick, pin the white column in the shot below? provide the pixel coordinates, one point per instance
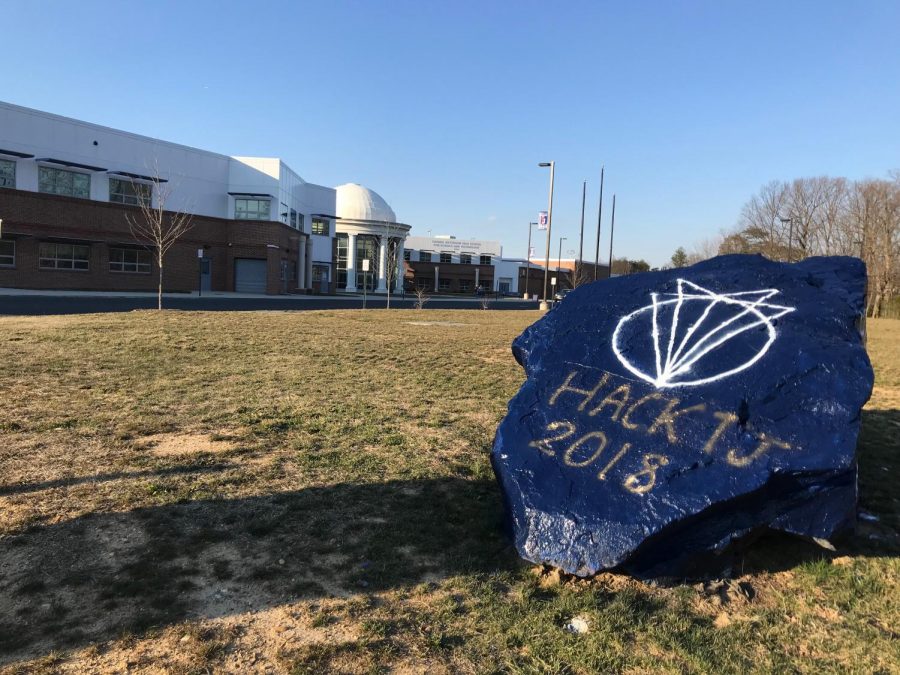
(436, 279)
(398, 278)
(351, 263)
(382, 266)
(476, 277)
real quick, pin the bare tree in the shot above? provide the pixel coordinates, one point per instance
(875, 222)
(827, 216)
(156, 228)
(581, 275)
(705, 249)
(392, 257)
(421, 297)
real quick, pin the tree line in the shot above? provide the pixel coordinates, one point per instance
(792, 220)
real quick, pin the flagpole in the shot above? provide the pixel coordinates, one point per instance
(612, 231)
(599, 216)
(581, 238)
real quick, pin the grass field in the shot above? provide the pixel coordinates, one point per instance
(311, 492)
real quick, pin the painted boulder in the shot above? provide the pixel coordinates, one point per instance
(669, 415)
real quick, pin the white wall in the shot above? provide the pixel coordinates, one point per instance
(319, 199)
(508, 269)
(198, 179)
(455, 246)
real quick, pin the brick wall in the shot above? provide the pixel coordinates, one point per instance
(454, 272)
(29, 218)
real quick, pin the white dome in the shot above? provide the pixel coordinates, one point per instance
(356, 202)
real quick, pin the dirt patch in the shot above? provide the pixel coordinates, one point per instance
(178, 445)
(434, 323)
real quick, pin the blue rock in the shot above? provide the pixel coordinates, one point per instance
(669, 415)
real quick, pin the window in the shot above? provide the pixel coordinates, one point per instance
(293, 219)
(424, 256)
(284, 213)
(485, 260)
(320, 226)
(300, 221)
(64, 256)
(366, 249)
(7, 253)
(132, 260)
(407, 254)
(446, 258)
(251, 209)
(465, 286)
(62, 182)
(126, 192)
(340, 260)
(465, 258)
(444, 284)
(7, 173)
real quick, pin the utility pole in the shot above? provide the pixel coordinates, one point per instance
(612, 231)
(599, 216)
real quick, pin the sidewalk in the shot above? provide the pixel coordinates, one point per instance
(224, 295)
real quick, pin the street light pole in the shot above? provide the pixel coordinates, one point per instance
(552, 166)
(528, 260)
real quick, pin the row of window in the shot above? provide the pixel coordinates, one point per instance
(56, 256)
(75, 184)
(464, 258)
(260, 209)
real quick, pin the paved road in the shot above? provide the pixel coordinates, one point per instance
(38, 305)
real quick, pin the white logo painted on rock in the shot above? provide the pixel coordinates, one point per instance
(686, 351)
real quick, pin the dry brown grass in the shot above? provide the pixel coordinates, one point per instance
(310, 492)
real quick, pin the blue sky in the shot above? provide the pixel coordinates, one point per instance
(445, 109)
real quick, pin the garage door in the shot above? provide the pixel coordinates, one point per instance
(249, 275)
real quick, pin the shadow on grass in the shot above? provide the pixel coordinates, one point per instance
(24, 488)
(99, 576)
(103, 575)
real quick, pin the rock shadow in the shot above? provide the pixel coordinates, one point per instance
(99, 576)
(103, 575)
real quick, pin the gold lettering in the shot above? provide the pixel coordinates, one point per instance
(588, 394)
(567, 457)
(725, 420)
(618, 399)
(652, 463)
(543, 444)
(626, 422)
(765, 443)
(615, 460)
(668, 416)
